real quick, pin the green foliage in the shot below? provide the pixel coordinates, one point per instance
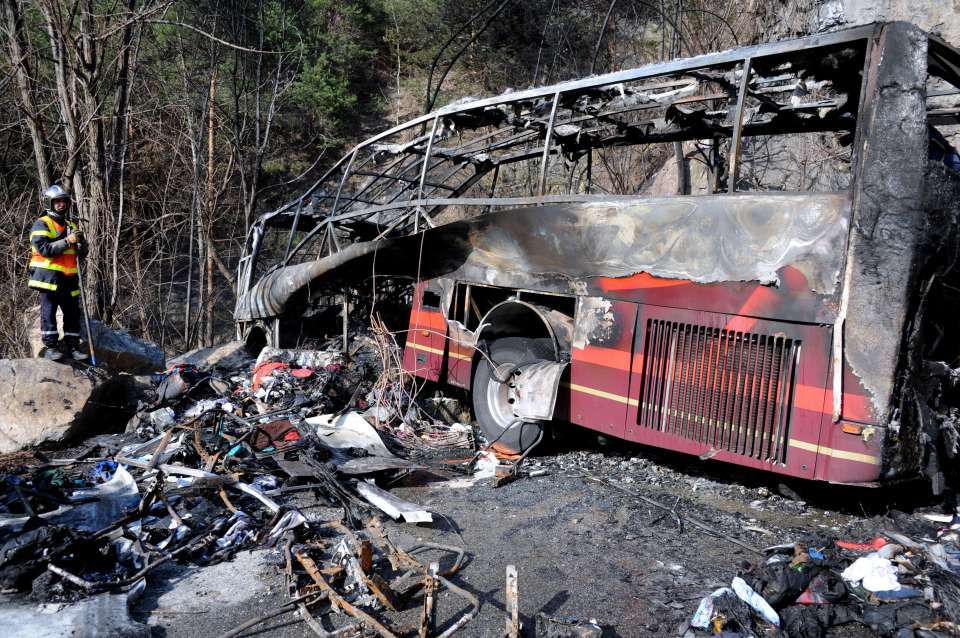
(417, 28)
(323, 90)
(335, 43)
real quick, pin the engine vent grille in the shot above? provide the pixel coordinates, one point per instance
(731, 390)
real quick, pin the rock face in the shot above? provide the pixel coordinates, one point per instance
(43, 402)
(226, 357)
(937, 16)
(121, 351)
(116, 349)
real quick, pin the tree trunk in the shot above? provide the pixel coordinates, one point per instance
(122, 97)
(26, 89)
(210, 206)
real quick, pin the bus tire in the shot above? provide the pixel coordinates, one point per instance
(489, 396)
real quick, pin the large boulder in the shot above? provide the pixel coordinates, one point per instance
(121, 351)
(227, 357)
(115, 348)
(46, 403)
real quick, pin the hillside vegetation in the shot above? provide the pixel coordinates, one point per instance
(175, 123)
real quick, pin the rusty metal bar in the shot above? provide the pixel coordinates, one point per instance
(737, 139)
(545, 161)
(279, 611)
(465, 618)
(513, 603)
(337, 601)
(457, 563)
(428, 617)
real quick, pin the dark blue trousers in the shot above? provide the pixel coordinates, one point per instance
(70, 306)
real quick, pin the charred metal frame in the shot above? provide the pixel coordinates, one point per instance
(407, 214)
(376, 210)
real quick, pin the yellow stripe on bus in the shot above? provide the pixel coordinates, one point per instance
(846, 455)
(837, 454)
(455, 355)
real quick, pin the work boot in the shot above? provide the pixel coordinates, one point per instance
(76, 353)
(51, 352)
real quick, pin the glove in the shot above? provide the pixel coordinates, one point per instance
(74, 238)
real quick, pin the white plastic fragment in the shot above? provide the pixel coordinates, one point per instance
(393, 506)
(873, 572)
(755, 600)
(349, 430)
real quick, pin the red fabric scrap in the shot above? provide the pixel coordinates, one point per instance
(302, 373)
(264, 370)
(872, 546)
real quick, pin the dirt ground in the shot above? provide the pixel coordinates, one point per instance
(582, 548)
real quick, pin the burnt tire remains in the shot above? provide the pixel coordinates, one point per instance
(490, 403)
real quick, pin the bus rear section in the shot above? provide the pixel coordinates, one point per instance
(707, 382)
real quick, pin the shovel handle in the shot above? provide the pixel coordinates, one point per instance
(83, 309)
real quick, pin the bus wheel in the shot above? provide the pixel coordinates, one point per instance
(491, 402)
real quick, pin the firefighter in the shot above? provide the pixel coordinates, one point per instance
(56, 243)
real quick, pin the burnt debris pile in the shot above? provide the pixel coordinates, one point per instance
(218, 462)
(894, 585)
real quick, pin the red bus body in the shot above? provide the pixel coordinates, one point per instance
(792, 326)
(770, 408)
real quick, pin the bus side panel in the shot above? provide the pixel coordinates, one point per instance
(791, 300)
(850, 458)
(426, 338)
(730, 388)
(600, 370)
(853, 456)
(459, 362)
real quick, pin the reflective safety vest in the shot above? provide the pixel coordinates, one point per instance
(56, 272)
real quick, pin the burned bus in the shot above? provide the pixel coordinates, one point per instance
(748, 256)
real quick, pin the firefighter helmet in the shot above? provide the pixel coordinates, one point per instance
(52, 194)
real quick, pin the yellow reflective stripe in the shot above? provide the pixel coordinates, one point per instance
(69, 251)
(75, 293)
(33, 283)
(46, 265)
(837, 454)
(44, 233)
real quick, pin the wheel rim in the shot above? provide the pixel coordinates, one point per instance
(498, 398)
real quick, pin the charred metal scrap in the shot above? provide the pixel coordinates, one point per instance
(540, 208)
(220, 463)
